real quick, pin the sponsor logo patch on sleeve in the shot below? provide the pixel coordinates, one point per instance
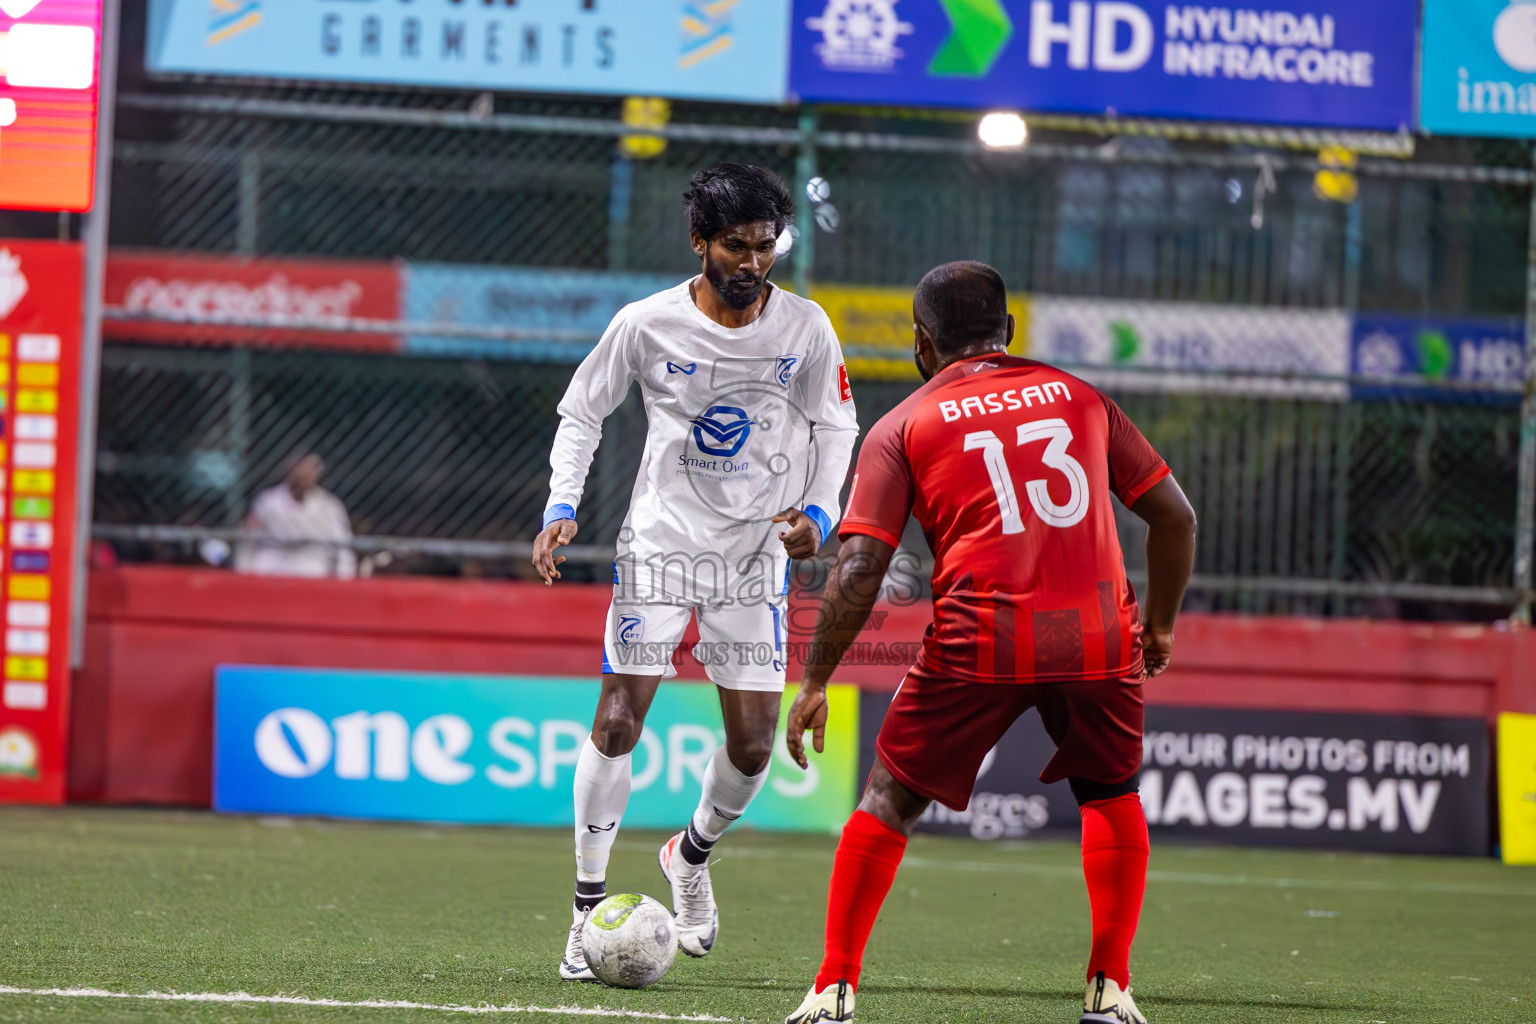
(844, 391)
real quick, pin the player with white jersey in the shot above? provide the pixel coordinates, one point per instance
(751, 427)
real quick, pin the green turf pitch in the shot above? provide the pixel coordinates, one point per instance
(146, 901)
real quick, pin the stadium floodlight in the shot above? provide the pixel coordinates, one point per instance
(1002, 130)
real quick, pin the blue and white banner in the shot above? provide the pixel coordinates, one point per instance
(1334, 63)
(574, 305)
(1479, 68)
(1193, 347)
(690, 49)
(459, 748)
(1480, 360)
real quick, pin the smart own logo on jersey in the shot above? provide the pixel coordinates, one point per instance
(787, 367)
(631, 629)
(722, 430)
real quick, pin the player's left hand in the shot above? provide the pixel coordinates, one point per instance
(809, 711)
(802, 539)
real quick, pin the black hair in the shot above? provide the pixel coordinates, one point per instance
(728, 194)
(963, 304)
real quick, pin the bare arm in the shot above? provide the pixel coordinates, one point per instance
(1170, 559)
(851, 592)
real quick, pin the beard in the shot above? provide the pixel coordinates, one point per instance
(737, 291)
(921, 369)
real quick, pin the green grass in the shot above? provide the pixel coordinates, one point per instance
(142, 901)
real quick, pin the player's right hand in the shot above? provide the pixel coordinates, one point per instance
(1156, 652)
(809, 711)
(556, 535)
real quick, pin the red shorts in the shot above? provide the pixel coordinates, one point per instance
(936, 732)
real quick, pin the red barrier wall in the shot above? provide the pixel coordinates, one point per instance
(143, 706)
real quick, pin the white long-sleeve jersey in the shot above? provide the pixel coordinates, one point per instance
(744, 423)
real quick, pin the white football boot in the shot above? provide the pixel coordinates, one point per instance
(1106, 1003)
(573, 965)
(835, 1002)
(693, 900)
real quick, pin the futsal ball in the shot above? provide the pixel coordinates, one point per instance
(630, 940)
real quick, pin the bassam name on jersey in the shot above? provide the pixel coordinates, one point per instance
(998, 401)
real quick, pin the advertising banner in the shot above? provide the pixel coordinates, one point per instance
(1478, 72)
(1195, 347)
(1486, 357)
(688, 49)
(41, 293)
(49, 56)
(571, 304)
(1262, 778)
(201, 287)
(1289, 778)
(496, 749)
(1008, 801)
(875, 328)
(1329, 63)
(1517, 788)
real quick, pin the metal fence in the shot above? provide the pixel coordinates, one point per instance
(1317, 500)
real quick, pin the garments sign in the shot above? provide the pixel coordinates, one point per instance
(1194, 347)
(41, 319)
(575, 306)
(1331, 63)
(487, 749)
(48, 87)
(201, 291)
(1478, 72)
(1286, 778)
(1517, 788)
(688, 49)
(874, 326)
(1478, 360)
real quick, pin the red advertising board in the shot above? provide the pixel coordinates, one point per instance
(48, 85)
(41, 318)
(200, 290)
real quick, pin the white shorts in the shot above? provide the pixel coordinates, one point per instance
(741, 645)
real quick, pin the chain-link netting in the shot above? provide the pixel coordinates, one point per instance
(1335, 384)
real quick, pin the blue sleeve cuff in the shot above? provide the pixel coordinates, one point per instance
(555, 513)
(822, 520)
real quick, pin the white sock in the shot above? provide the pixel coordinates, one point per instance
(602, 793)
(726, 795)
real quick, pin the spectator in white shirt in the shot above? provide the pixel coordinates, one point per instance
(296, 511)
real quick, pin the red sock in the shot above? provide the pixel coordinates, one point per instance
(1115, 866)
(867, 858)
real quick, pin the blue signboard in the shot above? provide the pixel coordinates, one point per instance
(426, 747)
(1479, 67)
(1480, 360)
(1335, 63)
(692, 49)
(574, 305)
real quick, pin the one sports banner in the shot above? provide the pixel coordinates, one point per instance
(494, 749)
(688, 49)
(41, 290)
(1478, 69)
(1329, 63)
(1184, 346)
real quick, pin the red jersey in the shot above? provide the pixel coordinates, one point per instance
(1009, 465)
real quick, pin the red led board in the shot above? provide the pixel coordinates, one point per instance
(50, 60)
(41, 320)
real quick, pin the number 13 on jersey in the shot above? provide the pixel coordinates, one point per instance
(1057, 435)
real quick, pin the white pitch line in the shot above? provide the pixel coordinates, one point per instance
(365, 1004)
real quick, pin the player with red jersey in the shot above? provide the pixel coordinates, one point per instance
(1009, 466)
